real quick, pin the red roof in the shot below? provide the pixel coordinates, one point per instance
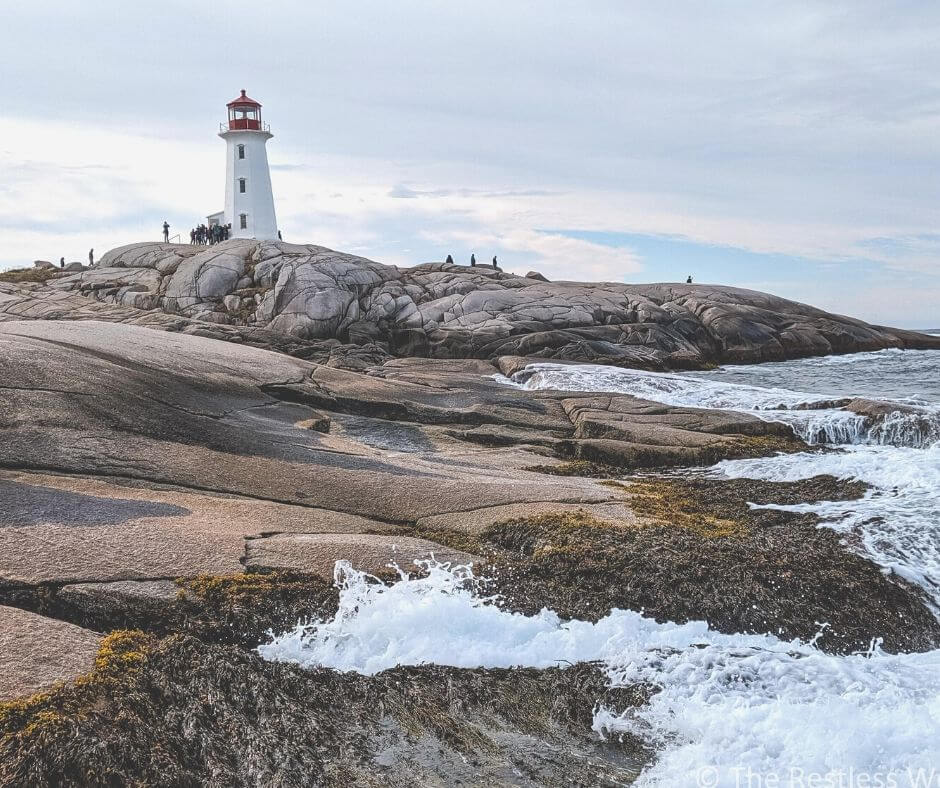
(243, 101)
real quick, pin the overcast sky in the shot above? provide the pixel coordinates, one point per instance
(790, 147)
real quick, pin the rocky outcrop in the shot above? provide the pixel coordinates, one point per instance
(155, 478)
(146, 455)
(311, 293)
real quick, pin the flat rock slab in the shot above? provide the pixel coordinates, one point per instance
(318, 553)
(137, 592)
(74, 529)
(104, 399)
(37, 652)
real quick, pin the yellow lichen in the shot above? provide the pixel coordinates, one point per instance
(664, 504)
(120, 656)
(234, 589)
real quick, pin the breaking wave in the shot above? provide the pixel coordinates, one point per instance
(727, 703)
(731, 710)
(815, 425)
(896, 524)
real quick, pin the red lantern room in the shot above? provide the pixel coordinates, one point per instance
(244, 114)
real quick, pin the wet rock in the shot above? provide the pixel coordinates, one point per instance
(118, 605)
(897, 424)
(510, 365)
(877, 410)
(184, 712)
(151, 459)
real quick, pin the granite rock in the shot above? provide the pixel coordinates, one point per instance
(309, 292)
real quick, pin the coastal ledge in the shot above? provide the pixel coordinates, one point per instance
(170, 498)
(301, 294)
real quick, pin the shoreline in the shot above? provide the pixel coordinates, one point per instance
(176, 496)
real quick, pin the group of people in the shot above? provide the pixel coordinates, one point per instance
(212, 234)
(473, 261)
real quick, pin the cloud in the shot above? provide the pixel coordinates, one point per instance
(805, 130)
(402, 192)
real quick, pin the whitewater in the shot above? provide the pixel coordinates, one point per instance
(732, 710)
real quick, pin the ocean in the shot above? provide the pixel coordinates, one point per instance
(739, 709)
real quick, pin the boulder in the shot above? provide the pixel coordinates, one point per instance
(877, 410)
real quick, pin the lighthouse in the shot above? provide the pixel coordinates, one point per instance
(249, 201)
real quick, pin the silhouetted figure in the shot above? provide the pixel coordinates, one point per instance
(449, 260)
(166, 231)
(473, 261)
(494, 262)
(279, 236)
(689, 280)
(61, 262)
(91, 257)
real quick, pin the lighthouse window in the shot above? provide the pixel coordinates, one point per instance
(241, 185)
(243, 221)
(241, 151)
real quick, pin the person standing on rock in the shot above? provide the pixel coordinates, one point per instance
(166, 231)
(449, 260)
(91, 256)
(473, 261)
(689, 280)
(61, 262)
(494, 262)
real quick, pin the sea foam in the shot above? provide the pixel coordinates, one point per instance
(726, 703)
(730, 710)
(897, 523)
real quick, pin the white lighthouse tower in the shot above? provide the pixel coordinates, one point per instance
(249, 201)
